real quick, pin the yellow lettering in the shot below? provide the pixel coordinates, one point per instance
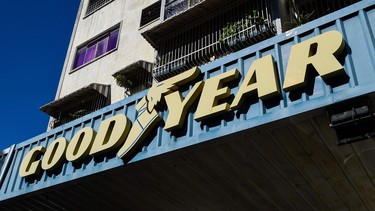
(178, 107)
(79, 146)
(54, 154)
(140, 129)
(30, 165)
(321, 52)
(211, 94)
(261, 78)
(111, 134)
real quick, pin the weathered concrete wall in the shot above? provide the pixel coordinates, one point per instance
(131, 46)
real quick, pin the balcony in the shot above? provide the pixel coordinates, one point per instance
(77, 104)
(294, 13)
(175, 7)
(224, 32)
(180, 19)
(196, 32)
(135, 77)
(230, 38)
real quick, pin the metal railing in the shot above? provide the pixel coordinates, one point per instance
(174, 7)
(234, 29)
(135, 77)
(79, 110)
(301, 12)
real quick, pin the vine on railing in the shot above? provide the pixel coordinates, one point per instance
(246, 28)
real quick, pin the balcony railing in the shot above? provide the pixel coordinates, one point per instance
(174, 7)
(229, 31)
(77, 104)
(192, 39)
(300, 12)
(81, 109)
(135, 77)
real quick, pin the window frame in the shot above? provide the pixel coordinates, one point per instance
(150, 10)
(95, 41)
(93, 11)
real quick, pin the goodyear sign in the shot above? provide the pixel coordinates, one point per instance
(261, 80)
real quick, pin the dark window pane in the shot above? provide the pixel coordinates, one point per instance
(102, 47)
(90, 55)
(80, 57)
(95, 5)
(112, 40)
(150, 13)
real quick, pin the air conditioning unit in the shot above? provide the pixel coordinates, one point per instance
(352, 120)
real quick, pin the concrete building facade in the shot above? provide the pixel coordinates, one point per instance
(131, 46)
(95, 22)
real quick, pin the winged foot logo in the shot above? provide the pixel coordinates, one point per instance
(148, 117)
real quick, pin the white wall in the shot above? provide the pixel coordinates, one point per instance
(131, 46)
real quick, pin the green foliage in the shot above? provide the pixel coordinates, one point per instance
(234, 28)
(228, 31)
(123, 81)
(79, 113)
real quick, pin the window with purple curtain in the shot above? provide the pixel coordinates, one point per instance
(112, 40)
(96, 48)
(102, 47)
(90, 53)
(80, 57)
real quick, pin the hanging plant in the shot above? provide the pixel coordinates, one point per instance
(79, 113)
(228, 30)
(232, 29)
(257, 20)
(123, 81)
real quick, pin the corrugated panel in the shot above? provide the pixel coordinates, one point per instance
(6, 157)
(316, 186)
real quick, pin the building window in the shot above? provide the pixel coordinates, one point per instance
(150, 13)
(96, 48)
(95, 5)
(174, 7)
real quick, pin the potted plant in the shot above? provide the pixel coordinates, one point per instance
(238, 31)
(79, 113)
(125, 82)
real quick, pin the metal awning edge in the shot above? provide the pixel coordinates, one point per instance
(50, 107)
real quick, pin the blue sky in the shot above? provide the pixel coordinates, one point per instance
(34, 40)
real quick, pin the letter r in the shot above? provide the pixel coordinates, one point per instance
(320, 52)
